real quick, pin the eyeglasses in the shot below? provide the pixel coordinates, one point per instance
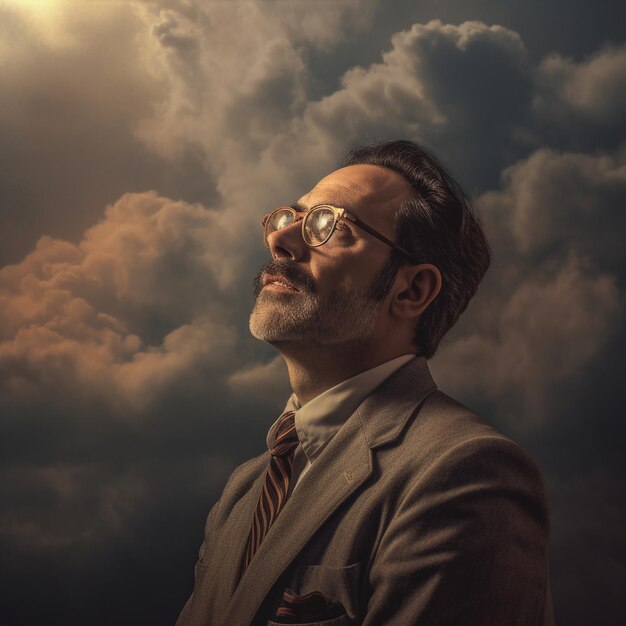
(318, 224)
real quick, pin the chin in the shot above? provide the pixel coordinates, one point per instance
(276, 317)
(267, 324)
(273, 328)
(272, 335)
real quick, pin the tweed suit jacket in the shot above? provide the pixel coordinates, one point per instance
(416, 512)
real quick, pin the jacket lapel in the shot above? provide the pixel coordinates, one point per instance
(342, 467)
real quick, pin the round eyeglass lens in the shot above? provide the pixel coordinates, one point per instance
(279, 219)
(319, 225)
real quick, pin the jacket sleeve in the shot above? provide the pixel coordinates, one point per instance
(467, 545)
(183, 618)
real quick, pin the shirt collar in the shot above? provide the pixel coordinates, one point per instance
(318, 420)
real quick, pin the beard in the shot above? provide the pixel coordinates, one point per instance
(344, 316)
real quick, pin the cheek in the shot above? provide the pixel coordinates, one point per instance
(345, 272)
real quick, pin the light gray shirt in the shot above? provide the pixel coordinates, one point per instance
(318, 420)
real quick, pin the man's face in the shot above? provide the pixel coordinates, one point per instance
(330, 299)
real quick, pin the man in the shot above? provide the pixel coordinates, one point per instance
(380, 500)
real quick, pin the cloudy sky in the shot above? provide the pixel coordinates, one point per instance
(140, 142)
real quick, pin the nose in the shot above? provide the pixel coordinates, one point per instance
(287, 243)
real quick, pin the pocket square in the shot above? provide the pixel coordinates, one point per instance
(310, 607)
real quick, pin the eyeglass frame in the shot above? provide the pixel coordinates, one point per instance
(340, 213)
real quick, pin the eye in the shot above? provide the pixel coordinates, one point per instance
(319, 225)
(281, 219)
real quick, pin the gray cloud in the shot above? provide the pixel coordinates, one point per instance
(589, 96)
(559, 201)
(546, 329)
(429, 85)
(596, 87)
(553, 300)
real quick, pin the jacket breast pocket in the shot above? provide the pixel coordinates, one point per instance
(339, 587)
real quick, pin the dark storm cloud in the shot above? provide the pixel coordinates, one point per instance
(570, 27)
(589, 96)
(127, 375)
(552, 303)
(560, 201)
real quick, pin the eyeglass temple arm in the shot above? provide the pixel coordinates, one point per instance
(379, 236)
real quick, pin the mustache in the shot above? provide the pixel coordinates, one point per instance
(290, 271)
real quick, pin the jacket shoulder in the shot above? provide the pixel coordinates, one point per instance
(446, 442)
(442, 423)
(465, 516)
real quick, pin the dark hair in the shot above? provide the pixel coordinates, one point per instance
(437, 225)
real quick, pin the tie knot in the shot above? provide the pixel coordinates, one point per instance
(286, 436)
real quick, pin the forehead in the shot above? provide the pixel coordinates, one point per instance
(370, 191)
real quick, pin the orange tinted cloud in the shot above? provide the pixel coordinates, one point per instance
(78, 317)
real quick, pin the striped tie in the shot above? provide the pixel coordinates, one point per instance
(276, 485)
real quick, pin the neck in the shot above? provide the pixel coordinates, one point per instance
(315, 368)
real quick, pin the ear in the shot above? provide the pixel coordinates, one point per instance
(416, 286)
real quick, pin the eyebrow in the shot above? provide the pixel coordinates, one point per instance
(299, 206)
